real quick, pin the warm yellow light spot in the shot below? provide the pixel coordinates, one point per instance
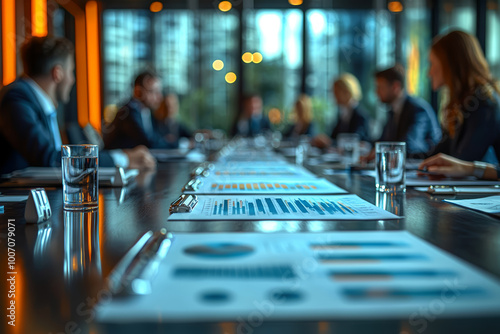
(295, 2)
(395, 6)
(257, 57)
(225, 6)
(156, 6)
(218, 65)
(275, 116)
(247, 57)
(230, 77)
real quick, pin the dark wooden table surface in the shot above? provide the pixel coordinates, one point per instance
(62, 264)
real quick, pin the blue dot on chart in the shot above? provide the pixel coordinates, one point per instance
(215, 297)
(285, 296)
(219, 250)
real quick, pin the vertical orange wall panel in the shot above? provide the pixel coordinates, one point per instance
(39, 18)
(8, 41)
(93, 64)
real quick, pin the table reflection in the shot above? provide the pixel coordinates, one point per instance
(82, 256)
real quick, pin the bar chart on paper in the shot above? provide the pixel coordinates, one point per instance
(340, 207)
(267, 171)
(214, 185)
(349, 275)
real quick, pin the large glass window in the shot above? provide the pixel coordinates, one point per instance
(354, 41)
(127, 51)
(277, 36)
(492, 38)
(416, 46)
(182, 46)
(458, 14)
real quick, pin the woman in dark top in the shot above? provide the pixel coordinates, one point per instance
(303, 117)
(351, 115)
(471, 116)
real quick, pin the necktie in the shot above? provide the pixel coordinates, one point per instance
(55, 130)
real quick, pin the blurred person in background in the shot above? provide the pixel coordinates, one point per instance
(29, 131)
(166, 121)
(351, 116)
(251, 121)
(303, 119)
(410, 119)
(133, 123)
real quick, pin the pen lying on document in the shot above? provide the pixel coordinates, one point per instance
(133, 274)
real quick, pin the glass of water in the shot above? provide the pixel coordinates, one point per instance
(80, 176)
(390, 158)
(348, 145)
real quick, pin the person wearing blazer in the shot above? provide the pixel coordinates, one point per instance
(471, 117)
(410, 119)
(29, 133)
(351, 116)
(251, 121)
(134, 123)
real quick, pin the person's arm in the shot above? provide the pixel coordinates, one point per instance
(23, 129)
(447, 166)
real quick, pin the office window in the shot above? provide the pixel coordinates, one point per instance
(126, 51)
(492, 38)
(339, 41)
(277, 36)
(458, 15)
(416, 45)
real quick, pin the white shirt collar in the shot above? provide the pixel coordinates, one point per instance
(397, 104)
(42, 97)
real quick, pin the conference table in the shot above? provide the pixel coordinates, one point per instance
(62, 264)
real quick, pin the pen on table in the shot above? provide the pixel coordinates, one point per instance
(134, 273)
(141, 284)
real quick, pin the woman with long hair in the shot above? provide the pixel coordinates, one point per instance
(471, 112)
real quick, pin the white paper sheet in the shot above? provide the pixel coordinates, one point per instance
(265, 185)
(412, 180)
(489, 204)
(299, 207)
(307, 276)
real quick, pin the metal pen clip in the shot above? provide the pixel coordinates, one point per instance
(185, 203)
(192, 185)
(203, 169)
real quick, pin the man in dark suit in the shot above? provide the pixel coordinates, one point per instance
(134, 123)
(410, 119)
(251, 121)
(29, 133)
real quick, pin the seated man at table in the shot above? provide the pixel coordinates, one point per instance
(410, 119)
(133, 123)
(166, 123)
(251, 121)
(29, 132)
